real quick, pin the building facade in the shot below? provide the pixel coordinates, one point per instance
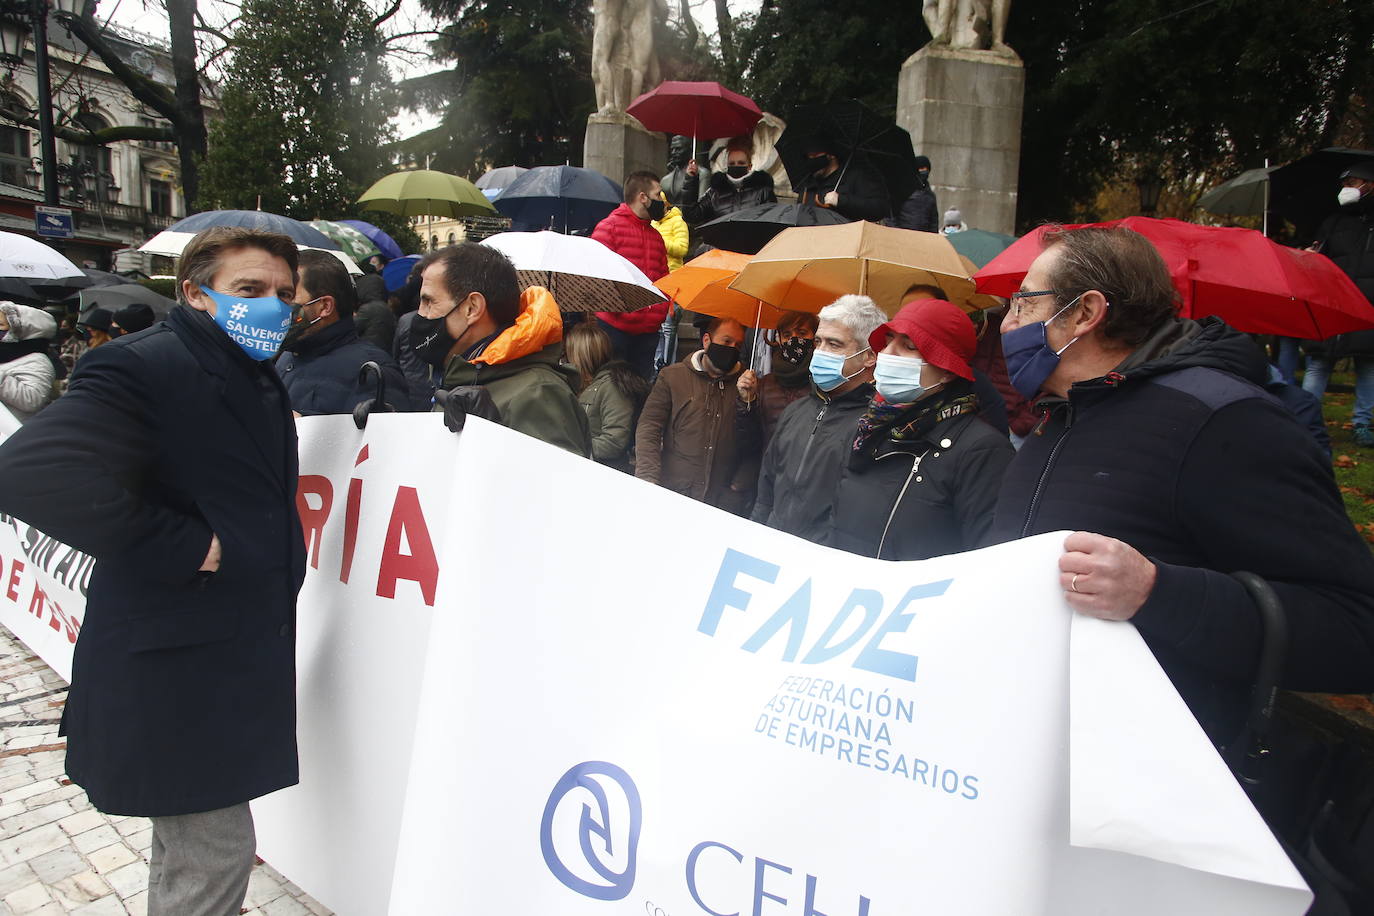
(121, 193)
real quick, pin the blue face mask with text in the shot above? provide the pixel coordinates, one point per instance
(1030, 361)
(257, 325)
(827, 369)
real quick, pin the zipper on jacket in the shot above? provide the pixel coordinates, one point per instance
(811, 440)
(915, 464)
(1045, 474)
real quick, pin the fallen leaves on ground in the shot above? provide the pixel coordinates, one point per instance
(1345, 461)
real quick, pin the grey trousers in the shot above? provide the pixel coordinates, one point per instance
(199, 863)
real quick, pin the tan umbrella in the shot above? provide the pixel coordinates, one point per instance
(978, 302)
(808, 267)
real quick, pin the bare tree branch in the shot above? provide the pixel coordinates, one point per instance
(391, 11)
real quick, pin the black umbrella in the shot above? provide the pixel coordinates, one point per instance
(748, 230)
(1305, 189)
(859, 136)
(115, 298)
(14, 289)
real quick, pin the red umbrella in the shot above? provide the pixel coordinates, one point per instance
(695, 110)
(1254, 284)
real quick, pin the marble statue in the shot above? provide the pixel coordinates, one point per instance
(623, 60)
(970, 25)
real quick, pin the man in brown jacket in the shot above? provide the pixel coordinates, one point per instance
(690, 438)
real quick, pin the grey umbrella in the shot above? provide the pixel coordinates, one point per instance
(1245, 195)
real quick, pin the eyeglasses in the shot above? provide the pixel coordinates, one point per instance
(1018, 299)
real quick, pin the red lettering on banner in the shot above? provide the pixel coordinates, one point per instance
(420, 566)
(36, 603)
(352, 509)
(312, 520)
(12, 592)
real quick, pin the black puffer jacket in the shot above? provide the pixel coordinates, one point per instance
(1347, 237)
(924, 497)
(802, 464)
(723, 197)
(1180, 455)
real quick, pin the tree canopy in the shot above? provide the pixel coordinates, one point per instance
(307, 104)
(520, 87)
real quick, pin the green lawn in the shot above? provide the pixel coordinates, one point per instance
(1354, 465)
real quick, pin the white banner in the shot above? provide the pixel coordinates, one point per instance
(631, 702)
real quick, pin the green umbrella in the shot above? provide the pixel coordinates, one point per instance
(979, 245)
(354, 244)
(1244, 195)
(424, 192)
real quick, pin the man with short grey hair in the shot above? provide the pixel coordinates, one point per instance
(802, 464)
(182, 705)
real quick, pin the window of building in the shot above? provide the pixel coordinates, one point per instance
(14, 155)
(160, 197)
(452, 238)
(434, 243)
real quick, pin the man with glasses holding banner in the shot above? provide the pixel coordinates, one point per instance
(1159, 450)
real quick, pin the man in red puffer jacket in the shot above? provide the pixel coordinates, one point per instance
(627, 232)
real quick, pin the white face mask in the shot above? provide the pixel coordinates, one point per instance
(898, 378)
(1347, 196)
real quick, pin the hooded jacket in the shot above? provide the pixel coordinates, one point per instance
(722, 197)
(520, 369)
(638, 242)
(320, 371)
(26, 382)
(673, 228)
(691, 439)
(1179, 453)
(804, 459)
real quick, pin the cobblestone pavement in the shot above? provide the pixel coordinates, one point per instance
(57, 853)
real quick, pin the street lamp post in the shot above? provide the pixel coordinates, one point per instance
(17, 17)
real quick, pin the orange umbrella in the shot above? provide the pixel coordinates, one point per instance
(703, 285)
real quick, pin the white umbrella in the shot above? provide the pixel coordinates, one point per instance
(171, 244)
(21, 256)
(583, 274)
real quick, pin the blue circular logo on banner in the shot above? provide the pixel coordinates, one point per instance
(605, 835)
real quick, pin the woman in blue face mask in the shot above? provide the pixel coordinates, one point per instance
(923, 476)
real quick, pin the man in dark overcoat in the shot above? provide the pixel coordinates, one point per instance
(172, 461)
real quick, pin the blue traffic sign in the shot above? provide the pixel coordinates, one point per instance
(53, 222)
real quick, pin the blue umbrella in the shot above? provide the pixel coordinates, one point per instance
(561, 197)
(299, 232)
(385, 243)
(396, 271)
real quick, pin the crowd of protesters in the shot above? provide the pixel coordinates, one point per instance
(900, 430)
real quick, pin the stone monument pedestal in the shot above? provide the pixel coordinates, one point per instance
(963, 110)
(617, 145)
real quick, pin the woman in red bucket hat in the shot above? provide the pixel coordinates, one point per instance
(924, 473)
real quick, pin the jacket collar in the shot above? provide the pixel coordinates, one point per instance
(326, 339)
(238, 374)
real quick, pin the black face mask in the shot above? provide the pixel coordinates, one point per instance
(300, 325)
(430, 340)
(656, 210)
(796, 350)
(817, 163)
(737, 171)
(722, 357)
